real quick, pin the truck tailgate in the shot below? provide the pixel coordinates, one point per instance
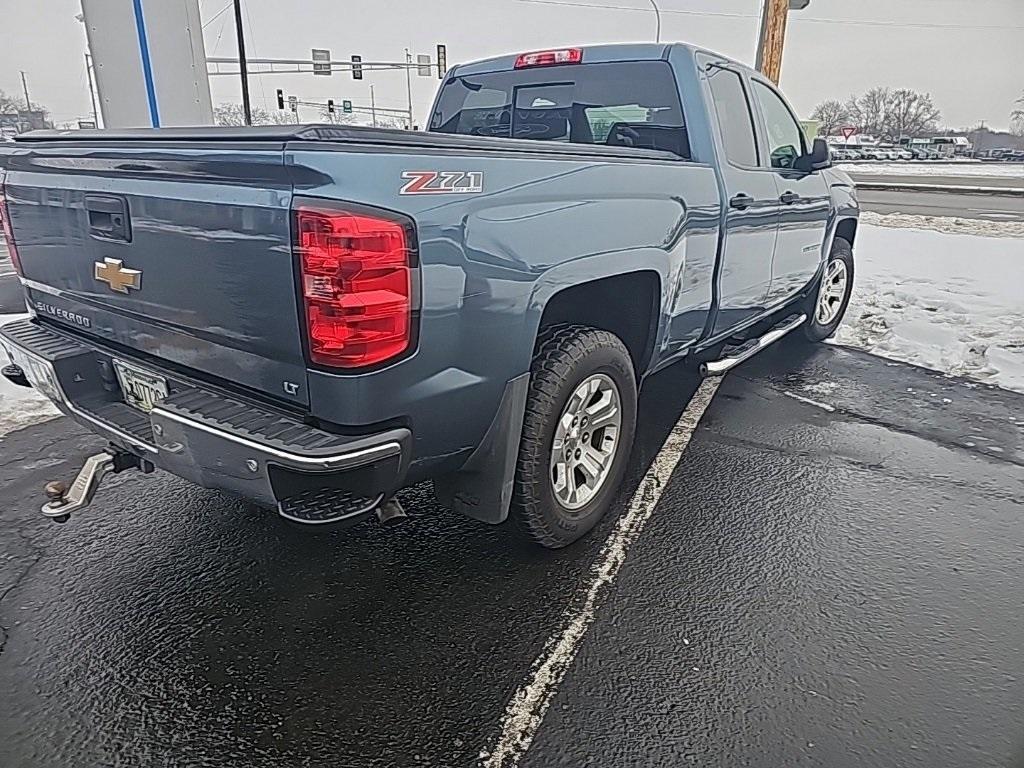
(179, 250)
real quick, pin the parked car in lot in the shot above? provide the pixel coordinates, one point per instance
(313, 316)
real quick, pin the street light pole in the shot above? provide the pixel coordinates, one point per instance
(92, 91)
(408, 83)
(243, 71)
(657, 19)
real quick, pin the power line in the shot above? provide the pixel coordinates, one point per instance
(797, 18)
(642, 10)
(216, 16)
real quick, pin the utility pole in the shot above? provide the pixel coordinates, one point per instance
(774, 14)
(243, 71)
(24, 85)
(408, 83)
(92, 91)
(373, 107)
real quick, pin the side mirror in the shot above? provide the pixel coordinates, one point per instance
(819, 157)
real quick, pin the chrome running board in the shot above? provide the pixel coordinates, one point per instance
(733, 356)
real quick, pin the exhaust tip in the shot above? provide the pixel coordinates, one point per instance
(391, 513)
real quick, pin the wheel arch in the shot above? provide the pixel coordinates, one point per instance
(847, 229)
(586, 301)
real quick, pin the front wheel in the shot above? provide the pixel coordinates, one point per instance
(577, 433)
(826, 306)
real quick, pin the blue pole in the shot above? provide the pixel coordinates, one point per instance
(147, 66)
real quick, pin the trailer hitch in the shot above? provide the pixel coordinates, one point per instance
(63, 501)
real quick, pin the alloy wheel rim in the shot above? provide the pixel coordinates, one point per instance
(832, 292)
(585, 442)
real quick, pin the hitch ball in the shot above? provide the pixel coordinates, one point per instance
(55, 492)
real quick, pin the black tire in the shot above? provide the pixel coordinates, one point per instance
(565, 357)
(813, 330)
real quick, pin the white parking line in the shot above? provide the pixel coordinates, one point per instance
(525, 712)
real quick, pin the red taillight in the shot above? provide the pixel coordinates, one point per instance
(5, 225)
(547, 58)
(356, 285)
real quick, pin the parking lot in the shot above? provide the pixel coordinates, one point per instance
(832, 576)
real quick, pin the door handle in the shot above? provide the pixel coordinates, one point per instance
(788, 198)
(741, 201)
(108, 217)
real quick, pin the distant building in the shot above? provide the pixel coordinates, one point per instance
(23, 120)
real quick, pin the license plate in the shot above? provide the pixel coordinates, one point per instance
(141, 389)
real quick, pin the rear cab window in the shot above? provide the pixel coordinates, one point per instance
(622, 104)
(735, 120)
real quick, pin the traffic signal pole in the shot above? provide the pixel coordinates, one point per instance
(408, 83)
(243, 70)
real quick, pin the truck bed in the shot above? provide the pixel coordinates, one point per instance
(336, 134)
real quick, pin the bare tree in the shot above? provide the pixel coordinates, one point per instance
(831, 115)
(337, 117)
(234, 114)
(1017, 118)
(868, 111)
(10, 105)
(894, 113)
(909, 113)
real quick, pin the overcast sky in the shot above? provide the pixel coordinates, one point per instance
(969, 54)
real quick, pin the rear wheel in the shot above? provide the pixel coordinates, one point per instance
(826, 306)
(577, 433)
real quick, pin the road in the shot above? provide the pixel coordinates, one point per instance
(832, 577)
(990, 207)
(985, 207)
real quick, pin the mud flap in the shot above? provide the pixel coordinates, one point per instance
(482, 489)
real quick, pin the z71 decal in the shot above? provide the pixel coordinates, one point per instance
(442, 182)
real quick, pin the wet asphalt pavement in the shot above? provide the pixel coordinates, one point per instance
(816, 587)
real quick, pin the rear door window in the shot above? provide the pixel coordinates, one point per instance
(624, 104)
(735, 123)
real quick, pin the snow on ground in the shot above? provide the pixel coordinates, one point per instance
(1001, 170)
(948, 224)
(20, 406)
(950, 302)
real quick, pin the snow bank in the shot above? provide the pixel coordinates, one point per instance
(948, 224)
(20, 406)
(1001, 170)
(951, 302)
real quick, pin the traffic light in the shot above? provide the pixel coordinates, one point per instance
(357, 67)
(280, 99)
(346, 107)
(330, 106)
(442, 61)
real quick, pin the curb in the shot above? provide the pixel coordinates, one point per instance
(960, 190)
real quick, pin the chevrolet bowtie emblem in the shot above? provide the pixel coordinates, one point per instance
(113, 273)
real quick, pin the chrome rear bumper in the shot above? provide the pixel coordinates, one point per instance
(214, 439)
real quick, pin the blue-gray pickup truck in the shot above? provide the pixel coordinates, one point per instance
(313, 317)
